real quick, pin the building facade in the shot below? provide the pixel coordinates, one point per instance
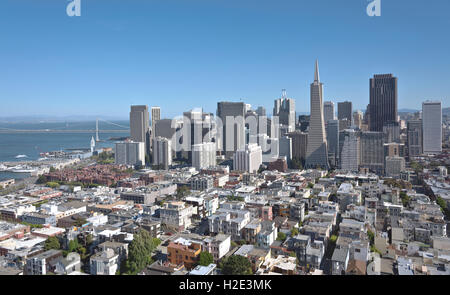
(317, 151)
(432, 126)
(383, 101)
(130, 153)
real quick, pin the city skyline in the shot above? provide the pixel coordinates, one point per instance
(180, 65)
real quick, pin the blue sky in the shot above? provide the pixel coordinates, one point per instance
(181, 54)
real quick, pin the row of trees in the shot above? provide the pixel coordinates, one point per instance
(74, 246)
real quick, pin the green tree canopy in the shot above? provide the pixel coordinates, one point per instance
(52, 243)
(236, 265)
(281, 236)
(140, 252)
(205, 258)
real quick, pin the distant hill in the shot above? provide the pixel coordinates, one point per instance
(446, 111)
(407, 111)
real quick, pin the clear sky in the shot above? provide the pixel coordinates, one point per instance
(181, 54)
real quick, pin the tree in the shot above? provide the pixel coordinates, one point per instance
(371, 236)
(443, 204)
(89, 239)
(52, 184)
(281, 236)
(41, 179)
(333, 239)
(139, 252)
(182, 191)
(405, 199)
(52, 243)
(296, 163)
(73, 245)
(294, 232)
(205, 258)
(236, 265)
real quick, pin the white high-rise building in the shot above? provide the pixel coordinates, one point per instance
(328, 111)
(130, 153)
(248, 159)
(317, 152)
(432, 126)
(284, 109)
(162, 152)
(285, 147)
(204, 155)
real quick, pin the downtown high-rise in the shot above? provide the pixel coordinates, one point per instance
(139, 125)
(345, 110)
(328, 111)
(432, 127)
(317, 151)
(231, 134)
(383, 101)
(284, 109)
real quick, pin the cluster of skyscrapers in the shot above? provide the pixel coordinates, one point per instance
(372, 141)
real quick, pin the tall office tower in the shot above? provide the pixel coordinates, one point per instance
(156, 116)
(383, 101)
(414, 133)
(432, 127)
(252, 126)
(372, 151)
(261, 111)
(130, 153)
(285, 147)
(162, 152)
(232, 131)
(349, 146)
(358, 119)
(165, 128)
(139, 126)
(345, 110)
(248, 159)
(199, 125)
(284, 109)
(328, 111)
(317, 152)
(333, 141)
(204, 155)
(299, 144)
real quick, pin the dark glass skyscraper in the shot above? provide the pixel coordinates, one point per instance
(383, 101)
(345, 110)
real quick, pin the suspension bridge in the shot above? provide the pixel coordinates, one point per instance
(72, 128)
